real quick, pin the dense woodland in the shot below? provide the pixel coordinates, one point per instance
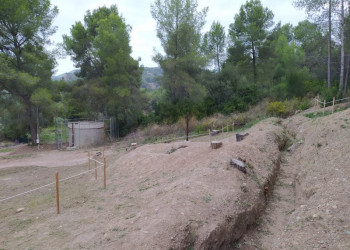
(225, 70)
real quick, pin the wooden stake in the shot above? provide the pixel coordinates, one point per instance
(104, 173)
(209, 137)
(222, 128)
(57, 194)
(95, 168)
(233, 126)
(103, 153)
(315, 101)
(89, 160)
(333, 105)
(187, 123)
(324, 106)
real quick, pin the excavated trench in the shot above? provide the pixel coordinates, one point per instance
(229, 233)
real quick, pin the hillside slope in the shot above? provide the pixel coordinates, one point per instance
(310, 205)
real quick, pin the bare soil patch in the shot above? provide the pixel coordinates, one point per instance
(309, 208)
(189, 198)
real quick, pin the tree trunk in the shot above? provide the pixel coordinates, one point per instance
(254, 62)
(329, 42)
(31, 119)
(342, 54)
(347, 75)
(218, 58)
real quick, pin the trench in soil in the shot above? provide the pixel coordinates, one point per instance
(230, 234)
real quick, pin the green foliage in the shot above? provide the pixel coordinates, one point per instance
(179, 27)
(214, 44)
(26, 67)
(111, 77)
(151, 77)
(249, 30)
(276, 109)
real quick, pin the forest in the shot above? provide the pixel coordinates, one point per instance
(225, 70)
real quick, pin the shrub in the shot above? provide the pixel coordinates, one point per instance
(276, 109)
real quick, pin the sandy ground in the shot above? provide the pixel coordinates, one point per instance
(177, 195)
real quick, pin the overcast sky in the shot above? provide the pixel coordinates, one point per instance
(143, 36)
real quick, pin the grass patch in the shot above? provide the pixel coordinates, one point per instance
(42, 199)
(6, 150)
(143, 188)
(59, 234)
(130, 216)
(318, 114)
(207, 198)
(289, 212)
(9, 157)
(48, 135)
(18, 225)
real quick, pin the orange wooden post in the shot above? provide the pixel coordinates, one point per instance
(57, 194)
(333, 105)
(89, 160)
(324, 106)
(104, 172)
(95, 168)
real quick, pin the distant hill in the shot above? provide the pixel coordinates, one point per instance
(150, 77)
(68, 77)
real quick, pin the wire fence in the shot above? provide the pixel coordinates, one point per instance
(335, 101)
(99, 164)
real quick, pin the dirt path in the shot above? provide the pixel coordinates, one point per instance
(281, 204)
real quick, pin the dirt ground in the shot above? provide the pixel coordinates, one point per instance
(163, 196)
(185, 195)
(309, 208)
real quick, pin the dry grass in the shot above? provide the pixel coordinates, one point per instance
(158, 132)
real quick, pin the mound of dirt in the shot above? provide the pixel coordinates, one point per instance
(310, 206)
(191, 197)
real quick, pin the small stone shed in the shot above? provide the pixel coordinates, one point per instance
(86, 133)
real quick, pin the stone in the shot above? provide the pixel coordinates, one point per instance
(19, 210)
(239, 165)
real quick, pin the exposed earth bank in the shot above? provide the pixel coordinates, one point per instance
(185, 195)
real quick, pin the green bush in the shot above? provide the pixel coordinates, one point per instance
(276, 109)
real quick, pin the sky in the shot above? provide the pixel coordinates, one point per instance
(143, 38)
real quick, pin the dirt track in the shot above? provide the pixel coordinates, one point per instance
(190, 197)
